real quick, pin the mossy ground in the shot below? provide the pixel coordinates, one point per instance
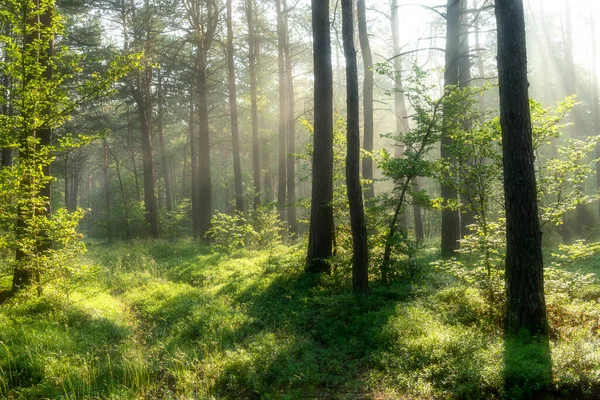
(171, 320)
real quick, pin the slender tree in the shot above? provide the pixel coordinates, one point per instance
(402, 118)
(595, 97)
(360, 251)
(320, 239)
(235, 136)
(290, 125)
(252, 56)
(467, 217)
(365, 48)
(282, 184)
(526, 305)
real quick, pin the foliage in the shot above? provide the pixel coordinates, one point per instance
(41, 99)
(257, 229)
(174, 320)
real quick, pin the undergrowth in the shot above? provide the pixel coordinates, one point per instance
(172, 320)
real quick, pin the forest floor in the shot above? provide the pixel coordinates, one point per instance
(162, 320)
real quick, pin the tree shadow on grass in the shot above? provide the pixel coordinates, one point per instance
(305, 338)
(527, 370)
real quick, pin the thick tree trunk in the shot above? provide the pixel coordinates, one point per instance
(235, 137)
(526, 306)
(320, 239)
(291, 131)
(450, 218)
(360, 251)
(365, 48)
(282, 184)
(252, 54)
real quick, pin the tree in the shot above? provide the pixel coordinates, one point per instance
(283, 120)
(320, 239)
(402, 116)
(290, 125)
(526, 305)
(141, 89)
(595, 95)
(450, 214)
(365, 49)
(253, 49)
(360, 251)
(235, 136)
(467, 217)
(203, 17)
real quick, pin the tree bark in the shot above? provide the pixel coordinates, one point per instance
(161, 141)
(203, 148)
(321, 235)
(595, 99)
(291, 131)
(450, 218)
(526, 306)
(143, 95)
(360, 252)
(365, 48)
(467, 217)
(575, 119)
(235, 137)
(252, 54)
(282, 184)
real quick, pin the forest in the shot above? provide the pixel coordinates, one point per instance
(277, 199)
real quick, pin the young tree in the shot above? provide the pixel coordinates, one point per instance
(320, 239)
(526, 305)
(402, 126)
(365, 49)
(360, 251)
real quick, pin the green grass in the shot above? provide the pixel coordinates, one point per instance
(171, 320)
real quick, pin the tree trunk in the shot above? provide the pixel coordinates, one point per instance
(195, 169)
(143, 95)
(574, 118)
(252, 53)
(402, 126)
(291, 131)
(450, 218)
(161, 141)
(365, 48)
(23, 275)
(235, 137)
(595, 99)
(360, 252)
(203, 148)
(282, 184)
(526, 306)
(320, 239)
(467, 217)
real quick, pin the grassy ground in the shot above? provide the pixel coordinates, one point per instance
(171, 320)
